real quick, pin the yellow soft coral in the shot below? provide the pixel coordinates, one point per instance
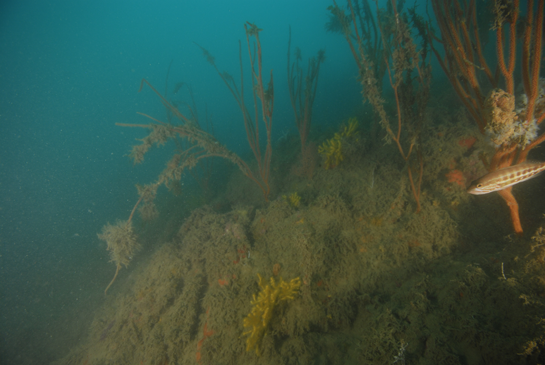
(294, 199)
(263, 308)
(351, 129)
(332, 149)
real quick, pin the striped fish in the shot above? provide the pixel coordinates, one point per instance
(506, 177)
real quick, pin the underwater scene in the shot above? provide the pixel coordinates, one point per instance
(289, 182)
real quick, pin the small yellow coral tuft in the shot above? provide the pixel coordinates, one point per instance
(294, 199)
(263, 308)
(332, 149)
(351, 129)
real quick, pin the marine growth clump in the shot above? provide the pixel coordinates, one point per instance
(332, 149)
(263, 308)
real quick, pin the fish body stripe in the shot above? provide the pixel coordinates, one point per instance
(503, 178)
